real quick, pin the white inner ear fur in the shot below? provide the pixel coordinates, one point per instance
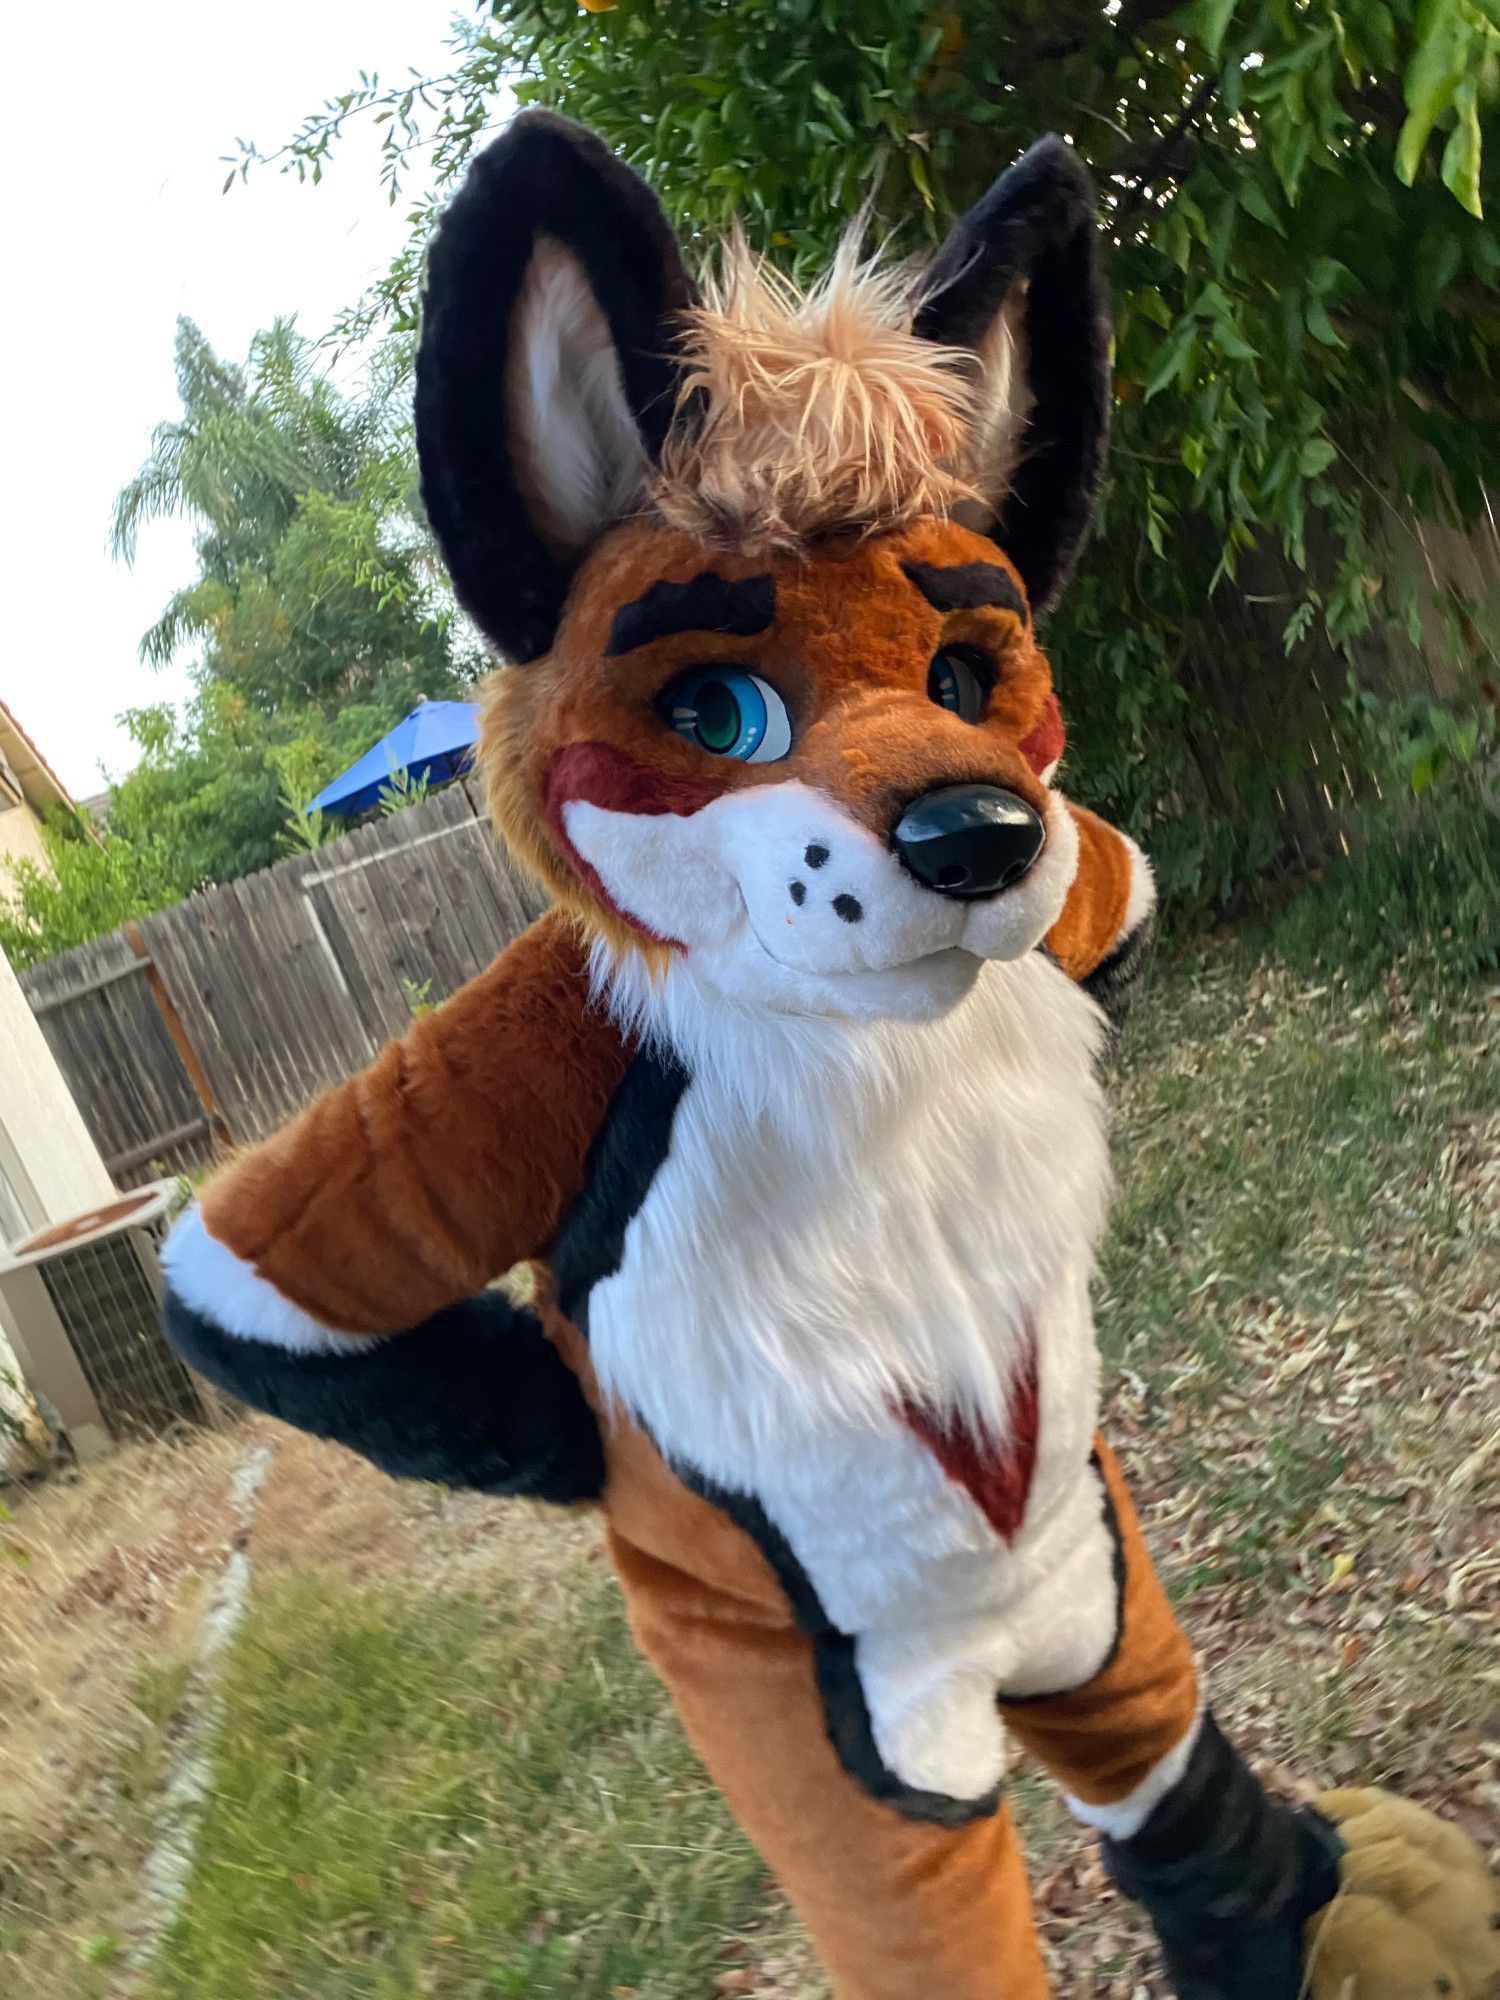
(1004, 400)
(578, 455)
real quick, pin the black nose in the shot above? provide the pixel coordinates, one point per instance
(968, 840)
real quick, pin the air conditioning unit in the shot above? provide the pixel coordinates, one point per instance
(81, 1299)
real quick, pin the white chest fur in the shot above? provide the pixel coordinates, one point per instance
(852, 1216)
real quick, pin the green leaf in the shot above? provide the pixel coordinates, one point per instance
(1425, 769)
(1291, 147)
(1231, 342)
(1150, 304)
(1253, 199)
(1298, 625)
(835, 110)
(1432, 77)
(1461, 155)
(1177, 240)
(1316, 456)
(1325, 274)
(1172, 359)
(1209, 21)
(1319, 325)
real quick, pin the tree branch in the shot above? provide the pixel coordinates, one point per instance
(1130, 20)
(1156, 165)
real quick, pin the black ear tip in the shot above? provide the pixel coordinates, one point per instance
(1050, 166)
(534, 137)
(1052, 146)
(547, 174)
(537, 118)
(538, 125)
(1038, 223)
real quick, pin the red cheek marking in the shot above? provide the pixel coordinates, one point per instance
(600, 775)
(996, 1478)
(1045, 743)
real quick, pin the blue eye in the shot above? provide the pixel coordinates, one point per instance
(959, 679)
(730, 713)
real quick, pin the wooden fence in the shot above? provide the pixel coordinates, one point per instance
(101, 1020)
(211, 1023)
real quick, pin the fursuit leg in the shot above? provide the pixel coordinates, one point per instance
(1228, 1875)
(898, 1906)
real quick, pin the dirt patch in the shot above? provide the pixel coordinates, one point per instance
(104, 1578)
(323, 1508)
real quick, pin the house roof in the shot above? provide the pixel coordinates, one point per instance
(40, 785)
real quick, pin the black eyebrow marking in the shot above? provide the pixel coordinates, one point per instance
(964, 586)
(705, 603)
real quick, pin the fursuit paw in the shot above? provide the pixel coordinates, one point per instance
(1418, 1914)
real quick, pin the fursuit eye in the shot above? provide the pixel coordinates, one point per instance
(729, 712)
(960, 679)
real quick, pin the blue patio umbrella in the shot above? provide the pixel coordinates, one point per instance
(431, 745)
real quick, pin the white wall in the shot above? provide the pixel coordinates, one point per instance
(53, 1170)
(20, 840)
(45, 1149)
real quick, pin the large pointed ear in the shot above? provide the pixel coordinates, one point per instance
(545, 371)
(1018, 282)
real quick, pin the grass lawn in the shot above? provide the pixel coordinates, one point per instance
(473, 1802)
(442, 1769)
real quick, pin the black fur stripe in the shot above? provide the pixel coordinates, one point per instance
(623, 1161)
(475, 1396)
(1117, 980)
(1229, 1877)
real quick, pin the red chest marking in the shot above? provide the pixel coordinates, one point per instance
(997, 1478)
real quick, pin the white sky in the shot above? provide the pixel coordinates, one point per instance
(117, 119)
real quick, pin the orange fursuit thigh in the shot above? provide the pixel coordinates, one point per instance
(898, 1908)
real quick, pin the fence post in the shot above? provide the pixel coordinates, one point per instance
(166, 1006)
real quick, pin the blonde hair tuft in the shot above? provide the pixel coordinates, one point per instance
(812, 412)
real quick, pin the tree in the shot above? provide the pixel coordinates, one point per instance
(319, 611)
(319, 615)
(93, 884)
(1305, 271)
(316, 582)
